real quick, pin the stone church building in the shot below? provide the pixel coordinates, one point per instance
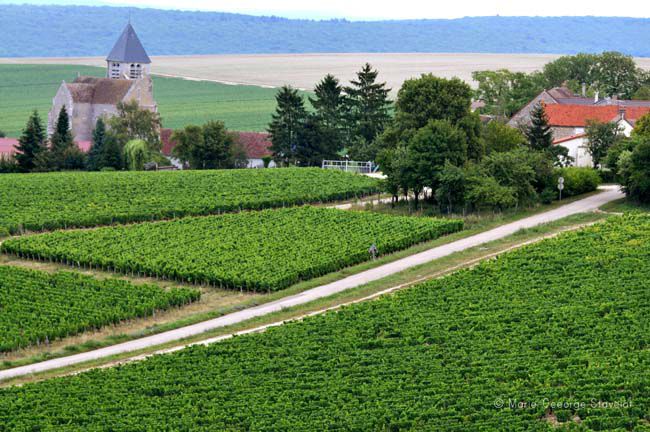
(87, 98)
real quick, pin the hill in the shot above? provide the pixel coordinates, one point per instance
(65, 31)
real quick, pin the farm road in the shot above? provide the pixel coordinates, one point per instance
(584, 205)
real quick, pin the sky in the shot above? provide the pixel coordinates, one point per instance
(384, 9)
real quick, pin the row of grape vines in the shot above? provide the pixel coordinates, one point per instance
(555, 333)
(38, 307)
(38, 202)
(255, 251)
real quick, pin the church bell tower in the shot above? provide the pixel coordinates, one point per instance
(128, 59)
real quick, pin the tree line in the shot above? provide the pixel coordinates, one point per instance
(341, 120)
(128, 140)
(611, 74)
(626, 160)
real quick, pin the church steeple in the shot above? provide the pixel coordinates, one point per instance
(128, 58)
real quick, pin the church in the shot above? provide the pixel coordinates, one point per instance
(87, 98)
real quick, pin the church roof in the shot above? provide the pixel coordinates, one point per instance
(128, 48)
(95, 90)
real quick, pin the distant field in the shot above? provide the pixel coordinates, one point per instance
(304, 70)
(181, 102)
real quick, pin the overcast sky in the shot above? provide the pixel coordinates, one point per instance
(383, 9)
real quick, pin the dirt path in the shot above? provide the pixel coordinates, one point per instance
(581, 206)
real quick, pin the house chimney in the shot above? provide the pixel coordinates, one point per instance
(584, 89)
(596, 97)
(621, 112)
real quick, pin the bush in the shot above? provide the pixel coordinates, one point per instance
(578, 180)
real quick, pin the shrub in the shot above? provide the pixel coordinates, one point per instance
(578, 180)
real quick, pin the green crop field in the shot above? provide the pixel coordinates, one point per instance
(61, 200)
(259, 251)
(555, 334)
(38, 306)
(24, 88)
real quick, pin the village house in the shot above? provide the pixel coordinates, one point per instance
(87, 98)
(569, 115)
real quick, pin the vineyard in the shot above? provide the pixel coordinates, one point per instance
(39, 202)
(257, 251)
(38, 307)
(562, 322)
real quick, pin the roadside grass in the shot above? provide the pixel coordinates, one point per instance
(625, 205)
(437, 268)
(180, 102)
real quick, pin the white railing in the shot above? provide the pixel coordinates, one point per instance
(350, 166)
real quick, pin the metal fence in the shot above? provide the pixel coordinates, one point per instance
(350, 166)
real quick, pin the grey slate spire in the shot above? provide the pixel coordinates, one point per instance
(128, 48)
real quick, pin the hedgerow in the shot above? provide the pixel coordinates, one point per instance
(38, 202)
(257, 251)
(38, 307)
(563, 322)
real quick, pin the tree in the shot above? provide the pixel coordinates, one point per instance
(31, 143)
(329, 110)
(600, 138)
(575, 70)
(61, 140)
(485, 192)
(636, 172)
(2, 134)
(540, 137)
(314, 144)
(210, 146)
(111, 156)
(431, 147)
(642, 127)
(539, 133)
(617, 74)
(94, 161)
(505, 92)
(471, 125)
(186, 140)
(136, 154)
(287, 124)
(134, 123)
(368, 105)
(451, 190)
(511, 169)
(499, 137)
(427, 98)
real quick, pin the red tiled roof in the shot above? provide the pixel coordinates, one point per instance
(569, 138)
(256, 144)
(8, 145)
(579, 115)
(166, 140)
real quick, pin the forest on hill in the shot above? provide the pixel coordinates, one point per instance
(66, 31)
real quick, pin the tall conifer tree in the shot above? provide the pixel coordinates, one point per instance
(31, 143)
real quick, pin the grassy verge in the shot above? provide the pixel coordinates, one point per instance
(624, 205)
(400, 280)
